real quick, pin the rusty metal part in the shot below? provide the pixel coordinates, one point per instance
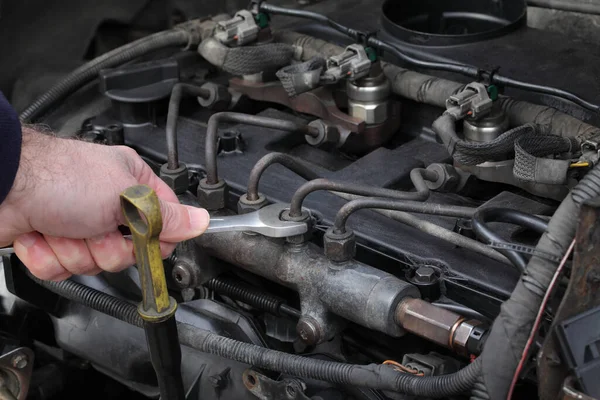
(583, 293)
(436, 324)
(16, 367)
(570, 393)
(321, 103)
(268, 389)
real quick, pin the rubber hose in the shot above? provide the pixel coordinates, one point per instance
(212, 131)
(487, 235)
(511, 328)
(292, 163)
(418, 178)
(89, 71)
(374, 376)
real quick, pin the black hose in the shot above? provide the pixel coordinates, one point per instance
(584, 7)
(462, 69)
(374, 376)
(89, 71)
(179, 90)
(212, 176)
(252, 296)
(512, 327)
(292, 163)
(418, 177)
(548, 90)
(487, 235)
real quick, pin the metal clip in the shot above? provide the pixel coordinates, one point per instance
(473, 101)
(353, 63)
(239, 30)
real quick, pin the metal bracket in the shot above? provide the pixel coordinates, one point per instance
(268, 389)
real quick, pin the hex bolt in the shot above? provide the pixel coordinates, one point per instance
(309, 331)
(19, 361)
(425, 275)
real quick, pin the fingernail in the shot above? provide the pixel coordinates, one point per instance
(199, 219)
(27, 239)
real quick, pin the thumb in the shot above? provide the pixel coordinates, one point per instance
(181, 222)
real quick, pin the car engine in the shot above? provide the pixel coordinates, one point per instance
(412, 195)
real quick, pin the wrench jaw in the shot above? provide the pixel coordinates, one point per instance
(266, 221)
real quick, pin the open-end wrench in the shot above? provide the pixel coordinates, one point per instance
(266, 221)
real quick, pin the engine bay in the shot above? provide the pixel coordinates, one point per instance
(416, 196)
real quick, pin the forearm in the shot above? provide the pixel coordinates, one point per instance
(10, 147)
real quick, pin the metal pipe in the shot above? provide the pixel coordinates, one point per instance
(418, 177)
(179, 90)
(436, 231)
(212, 176)
(292, 163)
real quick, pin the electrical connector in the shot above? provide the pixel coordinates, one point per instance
(353, 64)
(473, 101)
(238, 31)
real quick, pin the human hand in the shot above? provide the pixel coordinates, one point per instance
(63, 211)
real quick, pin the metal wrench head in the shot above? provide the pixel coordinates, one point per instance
(266, 221)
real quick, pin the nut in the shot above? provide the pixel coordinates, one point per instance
(218, 99)
(339, 247)
(177, 179)
(212, 197)
(305, 217)
(328, 133)
(246, 206)
(372, 113)
(448, 179)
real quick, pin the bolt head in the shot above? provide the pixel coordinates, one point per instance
(309, 331)
(19, 361)
(425, 275)
(182, 275)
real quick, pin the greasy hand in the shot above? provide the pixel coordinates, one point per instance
(63, 211)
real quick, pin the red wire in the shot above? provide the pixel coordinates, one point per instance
(538, 319)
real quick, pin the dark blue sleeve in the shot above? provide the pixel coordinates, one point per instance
(10, 146)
